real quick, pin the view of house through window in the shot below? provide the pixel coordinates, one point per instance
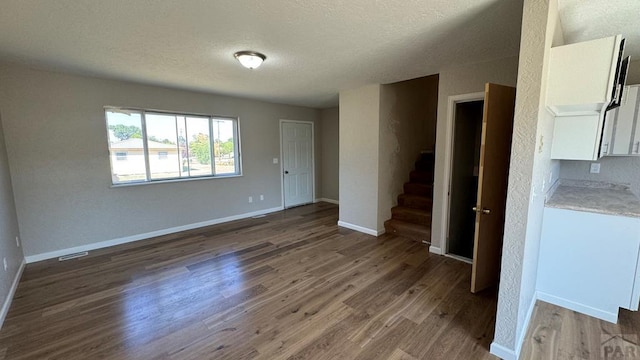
(148, 146)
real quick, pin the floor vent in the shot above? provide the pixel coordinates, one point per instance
(73, 256)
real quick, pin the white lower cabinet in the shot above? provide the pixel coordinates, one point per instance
(589, 262)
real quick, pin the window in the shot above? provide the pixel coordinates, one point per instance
(169, 146)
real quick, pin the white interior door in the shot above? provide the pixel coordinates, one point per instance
(297, 163)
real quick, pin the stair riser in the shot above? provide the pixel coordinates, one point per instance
(421, 219)
(417, 189)
(413, 235)
(421, 177)
(422, 165)
(422, 203)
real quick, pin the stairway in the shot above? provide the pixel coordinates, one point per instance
(412, 217)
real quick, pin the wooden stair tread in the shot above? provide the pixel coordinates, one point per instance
(415, 201)
(412, 215)
(409, 230)
(418, 189)
(420, 176)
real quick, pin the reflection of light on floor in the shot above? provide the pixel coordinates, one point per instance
(157, 305)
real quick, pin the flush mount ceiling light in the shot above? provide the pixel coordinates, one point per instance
(250, 59)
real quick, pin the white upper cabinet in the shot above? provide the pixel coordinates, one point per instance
(622, 131)
(582, 76)
(585, 80)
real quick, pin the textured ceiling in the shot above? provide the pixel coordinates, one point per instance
(587, 20)
(314, 48)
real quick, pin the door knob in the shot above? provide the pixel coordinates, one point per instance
(484, 211)
(286, 172)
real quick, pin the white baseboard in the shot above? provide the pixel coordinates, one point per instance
(128, 239)
(611, 317)
(435, 250)
(7, 301)
(360, 228)
(327, 200)
(502, 352)
(525, 326)
(509, 354)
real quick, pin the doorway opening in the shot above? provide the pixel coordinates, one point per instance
(467, 137)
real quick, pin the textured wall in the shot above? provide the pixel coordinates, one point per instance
(359, 132)
(614, 169)
(330, 124)
(531, 174)
(457, 81)
(8, 227)
(407, 122)
(57, 147)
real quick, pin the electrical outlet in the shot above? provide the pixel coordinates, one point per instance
(18, 241)
(250, 199)
(261, 197)
(4, 262)
(595, 168)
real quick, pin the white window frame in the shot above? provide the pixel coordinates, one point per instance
(237, 151)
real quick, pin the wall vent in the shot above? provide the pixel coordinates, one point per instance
(73, 256)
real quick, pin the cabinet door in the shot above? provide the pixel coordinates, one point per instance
(624, 121)
(635, 146)
(607, 135)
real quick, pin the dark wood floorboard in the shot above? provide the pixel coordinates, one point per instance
(290, 285)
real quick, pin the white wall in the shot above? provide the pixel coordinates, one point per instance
(57, 149)
(8, 232)
(532, 173)
(358, 169)
(465, 79)
(329, 122)
(613, 169)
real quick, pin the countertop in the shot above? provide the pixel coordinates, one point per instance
(596, 197)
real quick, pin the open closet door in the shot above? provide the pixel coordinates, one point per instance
(495, 153)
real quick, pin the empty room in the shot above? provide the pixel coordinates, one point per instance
(319, 179)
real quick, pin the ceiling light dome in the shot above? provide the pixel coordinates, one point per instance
(250, 59)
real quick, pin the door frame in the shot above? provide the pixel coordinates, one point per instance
(448, 163)
(313, 159)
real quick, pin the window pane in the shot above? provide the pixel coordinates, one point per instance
(199, 146)
(125, 146)
(162, 145)
(224, 146)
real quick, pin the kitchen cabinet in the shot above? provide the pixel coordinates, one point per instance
(589, 251)
(588, 262)
(585, 80)
(584, 77)
(622, 130)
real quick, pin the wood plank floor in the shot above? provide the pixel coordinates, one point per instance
(291, 285)
(558, 333)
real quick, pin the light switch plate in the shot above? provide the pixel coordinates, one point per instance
(595, 168)
(275, 160)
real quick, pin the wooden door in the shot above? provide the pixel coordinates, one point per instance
(297, 160)
(495, 153)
